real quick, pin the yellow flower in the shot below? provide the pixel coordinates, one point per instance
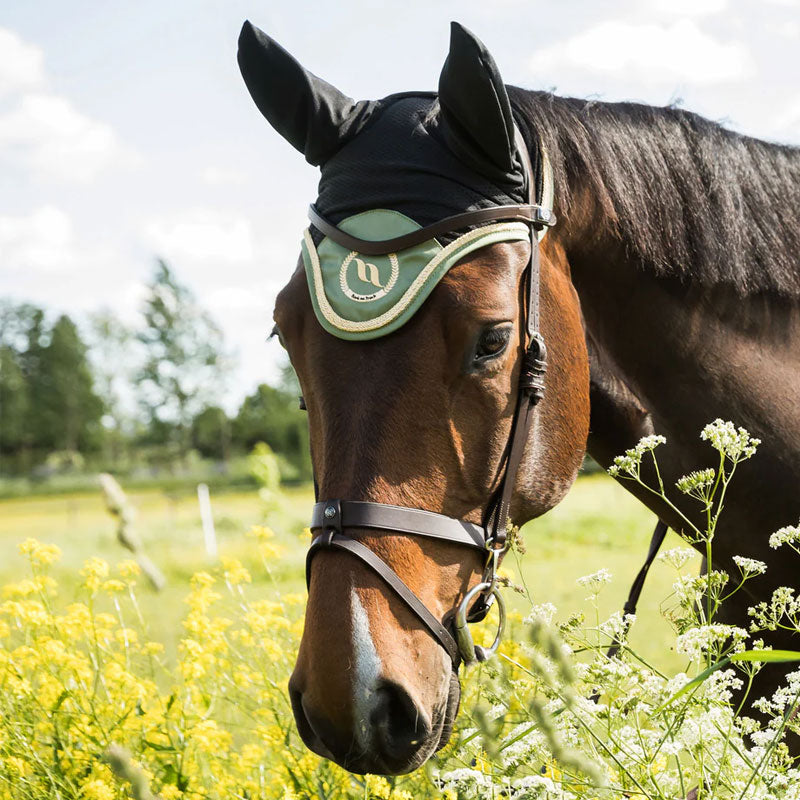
(377, 787)
(209, 738)
(94, 571)
(22, 589)
(201, 580)
(128, 569)
(235, 573)
(170, 793)
(40, 554)
(17, 765)
(113, 586)
(260, 532)
(294, 599)
(97, 790)
(483, 763)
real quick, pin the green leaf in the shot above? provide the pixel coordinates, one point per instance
(768, 656)
(161, 748)
(696, 681)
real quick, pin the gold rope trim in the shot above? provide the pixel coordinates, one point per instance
(519, 228)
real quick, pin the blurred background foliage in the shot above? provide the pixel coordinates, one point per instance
(140, 401)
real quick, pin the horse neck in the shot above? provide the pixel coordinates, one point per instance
(669, 355)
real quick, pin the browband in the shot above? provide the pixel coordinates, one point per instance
(535, 215)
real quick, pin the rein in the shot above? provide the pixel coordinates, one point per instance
(332, 518)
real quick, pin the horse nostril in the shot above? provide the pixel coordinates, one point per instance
(401, 726)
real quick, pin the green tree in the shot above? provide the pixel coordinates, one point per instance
(23, 334)
(111, 352)
(13, 402)
(183, 358)
(67, 407)
(211, 433)
(272, 415)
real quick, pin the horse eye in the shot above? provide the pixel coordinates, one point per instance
(492, 343)
(276, 332)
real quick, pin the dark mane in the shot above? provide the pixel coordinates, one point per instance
(688, 197)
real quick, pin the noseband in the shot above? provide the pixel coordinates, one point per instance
(333, 518)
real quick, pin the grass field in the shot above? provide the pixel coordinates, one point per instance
(598, 525)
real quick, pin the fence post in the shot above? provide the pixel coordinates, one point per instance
(207, 518)
(123, 511)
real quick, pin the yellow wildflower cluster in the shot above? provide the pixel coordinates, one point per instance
(81, 676)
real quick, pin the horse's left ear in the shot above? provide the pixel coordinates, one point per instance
(307, 111)
(476, 111)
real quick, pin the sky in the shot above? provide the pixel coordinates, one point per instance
(126, 132)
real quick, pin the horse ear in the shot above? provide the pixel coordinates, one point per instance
(478, 123)
(309, 113)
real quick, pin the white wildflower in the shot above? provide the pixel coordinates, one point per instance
(721, 685)
(697, 642)
(734, 443)
(789, 535)
(749, 566)
(628, 464)
(596, 579)
(677, 556)
(697, 484)
(542, 613)
(616, 627)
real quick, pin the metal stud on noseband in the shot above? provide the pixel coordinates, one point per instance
(331, 518)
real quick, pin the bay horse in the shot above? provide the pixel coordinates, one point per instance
(668, 296)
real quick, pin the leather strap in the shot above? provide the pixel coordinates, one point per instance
(531, 378)
(656, 540)
(338, 541)
(399, 519)
(531, 214)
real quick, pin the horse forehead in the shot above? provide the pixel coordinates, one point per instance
(486, 278)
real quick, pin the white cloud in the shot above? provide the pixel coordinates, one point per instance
(690, 8)
(40, 242)
(235, 298)
(202, 235)
(48, 135)
(220, 176)
(43, 132)
(787, 120)
(654, 53)
(21, 64)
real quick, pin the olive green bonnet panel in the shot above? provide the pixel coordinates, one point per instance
(364, 297)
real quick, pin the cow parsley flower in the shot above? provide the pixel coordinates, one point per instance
(790, 534)
(627, 465)
(698, 642)
(749, 566)
(698, 484)
(677, 556)
(734, 443)
(596, 579)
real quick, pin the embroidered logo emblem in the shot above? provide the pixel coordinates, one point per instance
(368, 273)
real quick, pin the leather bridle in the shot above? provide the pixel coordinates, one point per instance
(332, 519)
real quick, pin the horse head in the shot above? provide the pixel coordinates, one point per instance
(409, 364)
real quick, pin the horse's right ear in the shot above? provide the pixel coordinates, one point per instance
(309, 113)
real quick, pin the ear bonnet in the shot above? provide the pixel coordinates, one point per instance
(391, 167)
